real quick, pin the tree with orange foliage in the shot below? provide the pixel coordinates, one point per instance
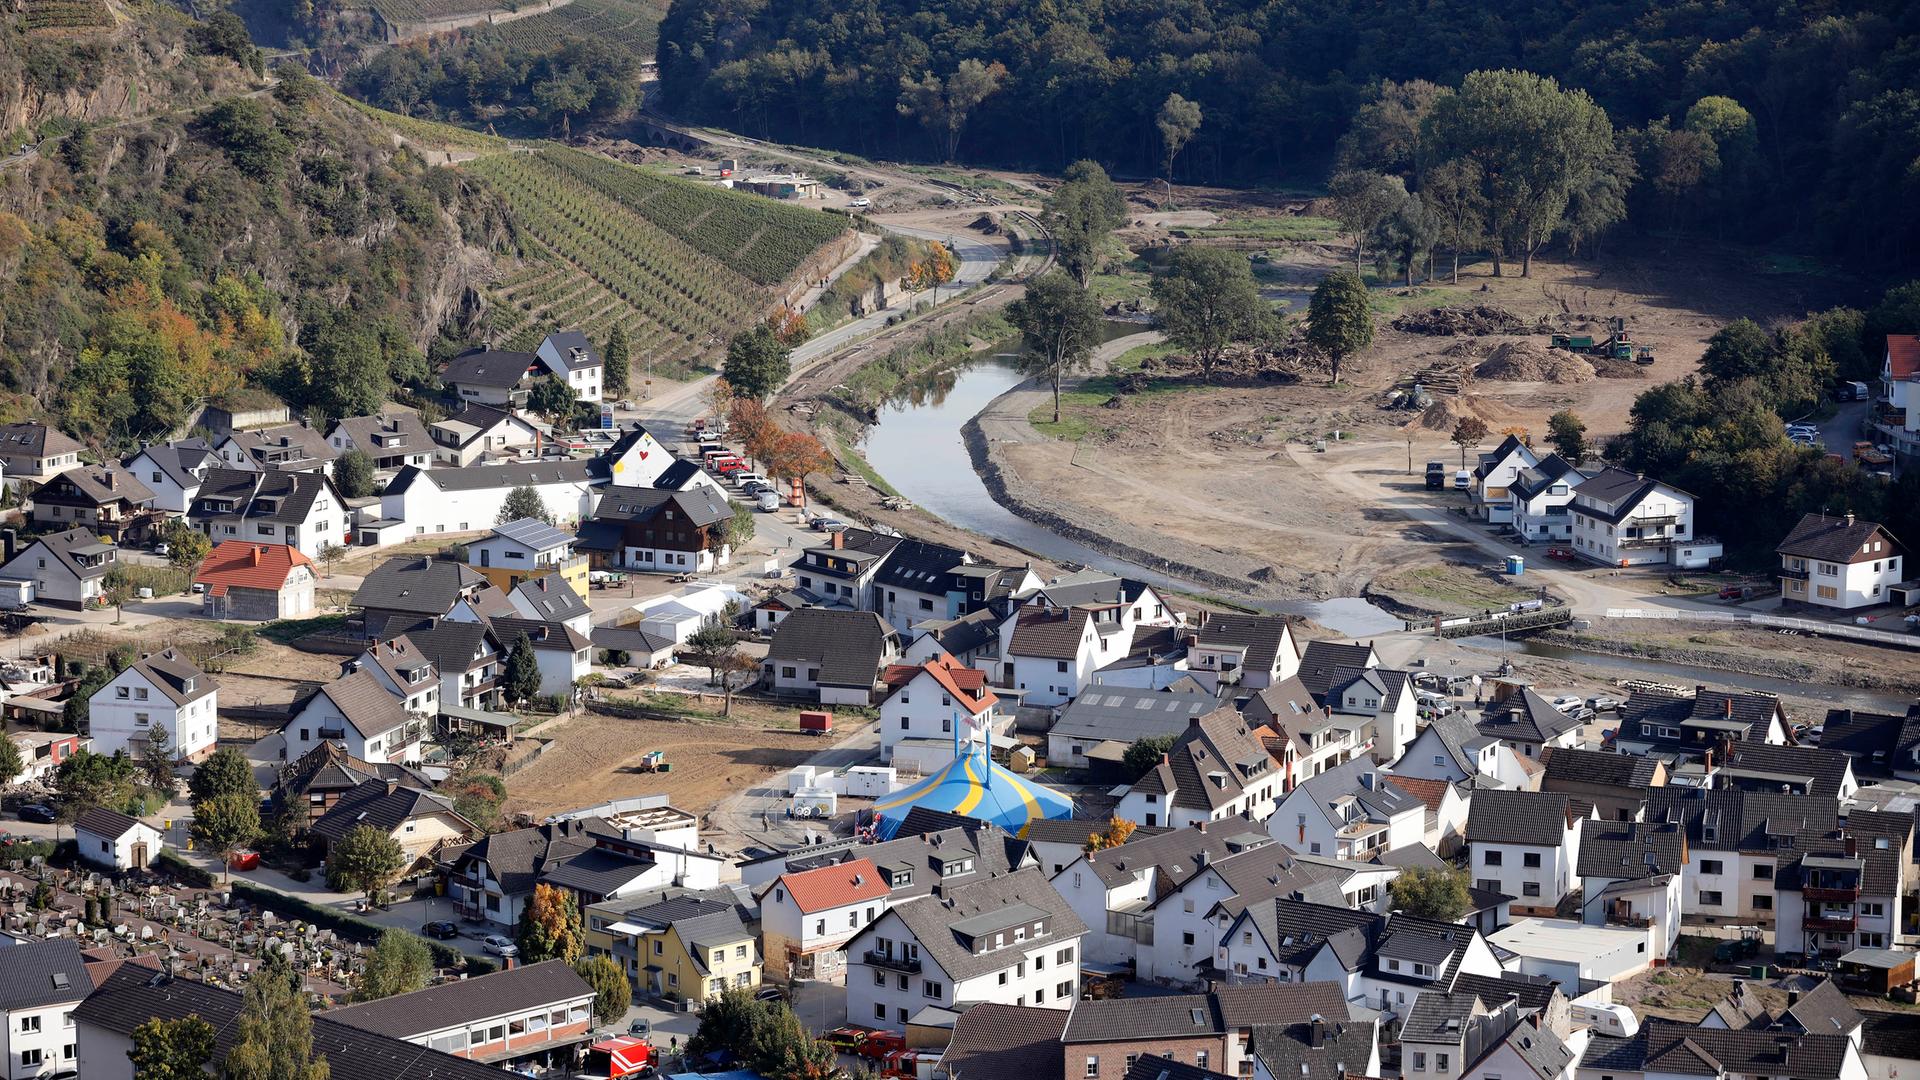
(1521, 433)
(749, 422)
(788, 325)
(1118, 830)
(719, 397)
(794, 456)
(550, 927)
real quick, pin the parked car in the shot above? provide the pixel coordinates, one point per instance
(641, 1028)
(834, 526)
(39, 812)
(441, 930)
(1602, 703)
(1567, 701)
(860, 203)
(500, 946)
(770, 993)
(1733, 592)
(1812, 736)
(768, 501)
(746, 481)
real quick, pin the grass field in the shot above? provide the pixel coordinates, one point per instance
(631, 25)
(1082, 407)
(1298, 229)
(427, 133)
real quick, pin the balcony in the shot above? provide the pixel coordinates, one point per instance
(1628, 918)
(876, 958)
(1830, 894)
(1830, 924)
(1800, 574)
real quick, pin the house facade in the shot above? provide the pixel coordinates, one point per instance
(524, 549)
(649, 529)
(1624, 519)
(160, 690)
(358, 714)
(1494, 476)
(422, 502)
(64, 570)
(46, 981)
(250, 581)
(1524, 844)
(572, 359)
(831, 655)
(35, 453)
(108, 500)
(301, 509)
(925, 702)
(808, 916)
(1540, 498)
(477, 434)
(113, 840)
(172, 471)
(1839, 563)
(393, 438)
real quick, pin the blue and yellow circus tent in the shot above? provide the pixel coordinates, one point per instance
(974, 786)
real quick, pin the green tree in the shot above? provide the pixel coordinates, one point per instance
(1411, 234)
(1363, 203)
(1567, 434)
(349, 373)
(331, 553)
(1535, 145)
(943, 105)
(478, 798)
(520, 675)
(172, 1049)
(757, 363)
(74, 711)
(1384, 135)
(246, 131)
(274, 1040)
(353, 474)
(1178, 121)
(1144, 754)
(523, 502)
(366, 859)
(612, 993)
(619, 361)
(156, 760)
(225, 824)
(710, 645)
(1060, 325)
(1340, 318)
(1471, 431)
(1431, 893)
(11, 766)
(740, 527)
(1080, 215)
(767, 1035)
(86, 780)
(1208, 300)
(1454, 195)
(550, 926)
(187, 547)
(224, 772)
(400, 963)
(552, 399)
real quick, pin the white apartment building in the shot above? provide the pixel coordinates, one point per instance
(1525, 844)
(808, 916)
(40, 983)
(1838, 562)
(161, 690)
(1624, 519)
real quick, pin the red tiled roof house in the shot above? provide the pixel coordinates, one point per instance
(244, 580)
(927, 703)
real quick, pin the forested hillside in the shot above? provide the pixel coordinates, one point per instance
(1833, 89)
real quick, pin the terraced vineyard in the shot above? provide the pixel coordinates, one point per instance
(762, 239)
(633, 25)
(66, 15)
(412, 11)
(427, 133)
(593, 259)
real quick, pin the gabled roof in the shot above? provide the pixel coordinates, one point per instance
(940, 924)
(1262, 636)
(449, 646)
(1582, 766)
(41, 973)
(1630, 850)
(367, 705)
(1431, 793)
(1646, 706)
(1215, 760)
(1177, 1016)
(1526, 717)
(1903, 355)
(475, 420)
(517, 858)
(540, 634)
(386, 433)
(402, 662)
(498, 368)
(1508, 446)
(1438, 1017)
(1090, 588)
(245, 564)
(920, 566)
(965, 634)
(966, 686)
(494, 477)
(70, 549)
(1172, 857)
(385, 805)
(1323, 661)
(181, 460)
(1340, 1048)
(849, 646)
(1519, 817)
(283, 445)
(1295, 930)
(827, 887)
(1545, 473)
(1128, 714)
(1461, 739)
(284, 498)
(1877, 742)
(1670, 1047)
(551, 598)
(700, 505)
(34, 439)
(1049, 635)
(991, 1040)
(1362, 782)
(1740, 1010)
(94, 485)
(179, 678)
(1743, 820)
(1836, 539)
(417, 584)
(1155, 1067)
(575, 351)
(1823, 1010)
(110, 824)
(1890, 1034)
(1761, 767)
(532, 534)
(511, 992)
(328, 767)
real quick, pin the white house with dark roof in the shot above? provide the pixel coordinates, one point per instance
(421, 502)
(563, 654)
(1050, 655)
(1113, 890)
(64, 570)
(1450, 748)
(393, 437)
(1252, 651)
(109, 838)
(285, 448)
(1278, 938)
(33, 452)
(1009, 940)
(834, 656)
(655, 529)
(360, 715)
(301, 509)
(107, 500)
(495, 878)
(1348, 812)
(172, 471)
(496, 377)
(549, 598)
(1539, 497)
(1495, 474)
(1525, 844)
(1095, 729)
(571, 358)
(406, 673)
(479, 432)
(494, 1019)
(1189, 917)
(1215, 771)
(1380, 704)
(1681, 725)
(1839, 562)
(1631, 874)
(41, 983)
(1322, 662)
(160, 690)
(1624, 519)
(1527, 723)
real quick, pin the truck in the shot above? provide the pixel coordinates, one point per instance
(1871, 457)
(1436, 474)
(620, 1058)
(816, 723)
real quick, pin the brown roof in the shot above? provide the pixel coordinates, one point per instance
(1837, 539)
(366, 704)
(835, 886)
(992, 1041)
(1431, 792)
(1050, 635)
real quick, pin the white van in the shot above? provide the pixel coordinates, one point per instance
(1608, 1019)
(768, 501)
(1462, 480)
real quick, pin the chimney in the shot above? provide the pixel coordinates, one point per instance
(1316, 1031)
(1193, 721)
(253, 556)
(1728, 704)
(1853, 847)
(838, 541)
(393, 786)
(1793, 998)
(1849, 519)
(109, 479)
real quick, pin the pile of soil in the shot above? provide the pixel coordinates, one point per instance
(1609, 368)
(986, 223)
(1442, 415)
(1525, 361)
(1448, 321)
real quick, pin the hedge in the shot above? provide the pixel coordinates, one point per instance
(349, 927)
(183, 870)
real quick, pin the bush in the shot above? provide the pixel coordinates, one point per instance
(183, 871)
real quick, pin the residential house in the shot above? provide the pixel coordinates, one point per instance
(1896, 418)
(527, 1013)
(1056, 843)
(1495, 474)
(1096, 728)
(1318, 740)
(1214, 771)
(1322, 662)
(1114, 889)
(1008, 939)
(1050, 655)
(1808, 770)
(1185, 923)
(807, 916)
(63, 570)
(678, 616)
(931, 850)
(1214, 1030)
(1128, 603)
(393, 437)
(494, 879)
(1738, 843)
(1071, 628)
(317, 779)
(1527, 723)
(841, 570)
(160, 690)
(1251, 651)
(1444, 828)
(1278, 939)
(1351, 811)
(1321, 1048)
(1624, 519)
(477, 433)
(550, 599)
(1539, 498)
(172, 471)
(1616, 784)
(973, 638)
(421, 822)
(284, 448)
(114, 840)
(302, 510)
(467, 656)
(1450, 748)
(524, 549)
(1838, 563)
(1883, 746)
(1822, 1010)
(108, 500)
(41, 753)
(993, 1041)
(572, 359)
(1459, 1036)
(489, 376)
(925, 701)
(409, 588)
(915, 583)
(1678, 726)
(649, 529)
(1846, 889)
(1525, 844)
(35, 453)
(1666, 1049)
(564, 655)
(361, 715)
(1631, 874)
(642, 649)
(1890, 1041)
(834, 656)
(1411, 958)
(41, 983)
(1379, 705)
(139, 989)
(254, 582)
(637, 459)
(419, 502)
(770, 609)
(686, 948)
